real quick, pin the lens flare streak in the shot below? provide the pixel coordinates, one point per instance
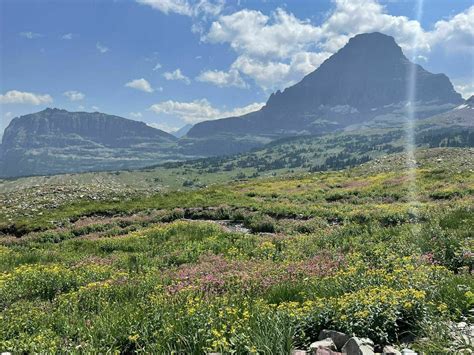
(410, 119)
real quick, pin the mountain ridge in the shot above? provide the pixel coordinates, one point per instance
(58, 141)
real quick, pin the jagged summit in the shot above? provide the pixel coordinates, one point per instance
(370, 71)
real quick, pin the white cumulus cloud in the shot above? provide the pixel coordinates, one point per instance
(278, 49)
(21, 97)
(222, 79)
(200, 110)
(457, 33)
(74, 95)
(140, 84)
(177, 75)
(252, 33)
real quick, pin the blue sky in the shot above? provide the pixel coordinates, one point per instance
(173, 62)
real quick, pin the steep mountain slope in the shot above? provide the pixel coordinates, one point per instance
(57, 141)
(366, 79)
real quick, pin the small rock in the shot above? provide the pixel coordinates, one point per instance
(298, 352)
(407, 351)
(390, 350)
(325, 343)
(338, 338)
(356, 346)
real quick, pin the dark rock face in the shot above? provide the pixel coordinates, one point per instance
(58, 141)
(366, 78)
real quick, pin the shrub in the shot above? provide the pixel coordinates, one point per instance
(260, 224)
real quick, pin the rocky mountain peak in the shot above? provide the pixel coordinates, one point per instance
(365, 79)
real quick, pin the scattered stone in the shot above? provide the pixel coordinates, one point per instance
(390, 350)
(338, 338)
(407, 351)
(298, 352)
(356, 346)
(325, 343)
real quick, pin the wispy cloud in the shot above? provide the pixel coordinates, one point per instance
(101, 48)
(74, 95)
(200, 110)
(136, 115)
(67, 36)
(30, 35)
(177, 75)
(185, 7)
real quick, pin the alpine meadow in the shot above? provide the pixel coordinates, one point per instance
(220, 177)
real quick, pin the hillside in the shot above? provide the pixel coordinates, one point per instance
(454, 128)
(57, 141)
(365, 80)
(264, 264)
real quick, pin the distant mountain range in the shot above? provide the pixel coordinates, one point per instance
(363, 86)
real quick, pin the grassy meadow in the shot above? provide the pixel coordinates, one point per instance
(254, 266)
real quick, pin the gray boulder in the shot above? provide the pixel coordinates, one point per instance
(338, 338)
(324, 344)
(356, 346)
(390, 350)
